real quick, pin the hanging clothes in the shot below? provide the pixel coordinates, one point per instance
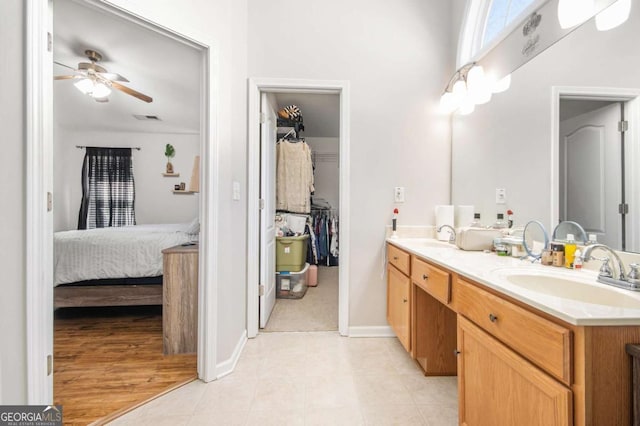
(294, 178)
(324, 227)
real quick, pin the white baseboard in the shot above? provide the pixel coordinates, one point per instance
(377, 331)
(226, 367)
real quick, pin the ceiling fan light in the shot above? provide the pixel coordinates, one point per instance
(574, 12)
(100, 90)
(614, 15)
(85, 86)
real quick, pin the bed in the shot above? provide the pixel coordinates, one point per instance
(120, 266)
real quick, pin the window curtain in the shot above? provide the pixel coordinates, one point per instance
(108, 191)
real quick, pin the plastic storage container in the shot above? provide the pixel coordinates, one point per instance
(291, 253)
(292, 285)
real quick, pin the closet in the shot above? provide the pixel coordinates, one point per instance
(306, 212)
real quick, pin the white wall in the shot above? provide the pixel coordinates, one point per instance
(327, 173)
(154, 203)
(13, 389)
(507, 142)
(397, 57)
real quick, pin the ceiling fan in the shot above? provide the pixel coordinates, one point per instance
(95, 81)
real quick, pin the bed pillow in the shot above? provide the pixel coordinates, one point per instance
(193, 227)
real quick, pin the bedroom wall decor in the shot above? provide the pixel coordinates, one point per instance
(169, 152)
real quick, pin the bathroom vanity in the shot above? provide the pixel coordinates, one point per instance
(531, 345)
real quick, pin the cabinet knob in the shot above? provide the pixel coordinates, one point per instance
(425, 277)
(456, 352)
(405, 300)
(493, 318)
(395, 257)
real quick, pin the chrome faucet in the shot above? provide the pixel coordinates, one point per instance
(606, 275)
(452, 233)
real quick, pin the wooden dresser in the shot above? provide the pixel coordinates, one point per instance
(180, 299)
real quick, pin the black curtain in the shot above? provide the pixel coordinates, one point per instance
(108, 191)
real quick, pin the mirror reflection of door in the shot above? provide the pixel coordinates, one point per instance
(591, 171)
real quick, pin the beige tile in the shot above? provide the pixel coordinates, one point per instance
(380, 389)
(279, 417)
(390, 414)
(327, 363)
(432, 390)
(284, 364)
(221, 417)
(374, 362)
(330, 392)
(163, 420)
(341, 416)
(228, 394)
(248, 367)
(439, 415)
(280, 393)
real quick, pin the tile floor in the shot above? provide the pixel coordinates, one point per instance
(316, 378)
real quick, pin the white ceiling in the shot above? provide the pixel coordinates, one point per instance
(155, 64)
(321, 112)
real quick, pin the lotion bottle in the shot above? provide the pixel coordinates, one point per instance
(569, 251)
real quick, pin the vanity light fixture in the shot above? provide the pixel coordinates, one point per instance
(470, 86)
(574, 12)
(614, 15)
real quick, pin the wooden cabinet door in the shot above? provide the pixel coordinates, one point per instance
(398, 305)
(498, 387)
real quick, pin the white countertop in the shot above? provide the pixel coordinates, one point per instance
(492, 271)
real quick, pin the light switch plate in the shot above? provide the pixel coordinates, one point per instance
(501, 196)
(398, 194)
(236, 191)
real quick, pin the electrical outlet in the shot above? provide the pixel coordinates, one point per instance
(398, 194)
(236, 191)
(501, 196)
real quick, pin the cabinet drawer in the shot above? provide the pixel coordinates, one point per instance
(544, 343)
(433, 280)
(399, 258)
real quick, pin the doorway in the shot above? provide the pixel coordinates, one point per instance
(40, 153)
(595, 147)
(286, 90)
(299, 247)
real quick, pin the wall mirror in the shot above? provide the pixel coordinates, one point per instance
(513, 142)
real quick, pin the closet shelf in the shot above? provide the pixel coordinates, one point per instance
(171, 174)
(183, 192)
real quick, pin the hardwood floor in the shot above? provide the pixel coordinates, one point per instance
(109, 359)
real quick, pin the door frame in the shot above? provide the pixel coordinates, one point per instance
(256, 87)
(39, 223)
(629, 95)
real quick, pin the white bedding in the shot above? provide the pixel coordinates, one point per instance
(119, 252)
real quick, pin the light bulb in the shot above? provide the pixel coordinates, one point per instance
(477, 85)
(502, 85)
(614, 15)
(467, 106)
(459, 92)
(574, 12)
(85, 86)
(100, 90)
(447, 103)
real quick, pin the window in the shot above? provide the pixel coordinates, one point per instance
(108, 191)
(487, 22)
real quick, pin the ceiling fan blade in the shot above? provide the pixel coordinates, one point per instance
(131, 92)
(63, 65)
(113, 76)
(64, 77)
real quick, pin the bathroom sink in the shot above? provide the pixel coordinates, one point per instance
(571, 287)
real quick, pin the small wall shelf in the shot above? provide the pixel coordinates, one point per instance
(183, 192)
(171, 174)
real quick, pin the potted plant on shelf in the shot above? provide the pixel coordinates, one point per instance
(169, 152)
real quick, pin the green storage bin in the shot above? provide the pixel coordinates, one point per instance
(291, 253)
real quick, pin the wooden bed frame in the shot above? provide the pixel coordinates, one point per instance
(113, 292)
